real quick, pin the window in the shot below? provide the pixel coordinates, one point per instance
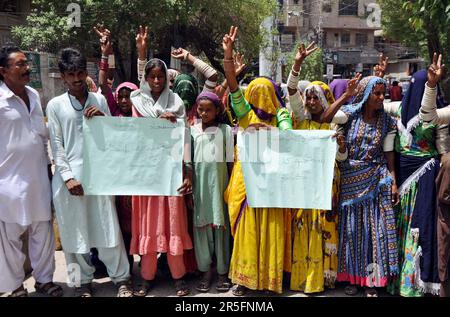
(361, 39)
(326, 7)
(348, 7)
(9, 6)
(345, 38)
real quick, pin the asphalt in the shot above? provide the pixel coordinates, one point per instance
(164, 287)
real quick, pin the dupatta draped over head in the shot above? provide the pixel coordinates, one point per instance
(186, 86)
(366, 193)
(126, 84)
(261, 95)
(321, 90)
(167, 102)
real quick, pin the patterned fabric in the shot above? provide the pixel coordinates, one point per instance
(367, 231)
(326, 91)
(186, 87)
(314, 252)
(262, 236)
(417, 170)
(408, 276)
(420, 142)
(261, 94)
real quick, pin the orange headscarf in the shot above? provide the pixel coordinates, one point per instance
(261, 94)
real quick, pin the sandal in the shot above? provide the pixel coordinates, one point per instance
(49, 289)
(143, 288)
(84, 290)
(125, 289)
(181, 288)
(370, 292)
(351, 290)
(20, 292)
(223, 283)
(239, 290)
(205, 283)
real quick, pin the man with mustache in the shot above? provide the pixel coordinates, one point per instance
(85, 222)
(24, 180)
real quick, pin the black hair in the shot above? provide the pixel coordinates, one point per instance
(221, 116)
(71, 60)
(153, 64)
(126, 88)
(5, 52)
(395, 83)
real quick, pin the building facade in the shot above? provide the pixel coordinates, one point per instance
(12, 12)
(349, 32)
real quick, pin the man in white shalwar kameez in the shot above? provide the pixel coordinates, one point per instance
(24, 181)
(85, 222)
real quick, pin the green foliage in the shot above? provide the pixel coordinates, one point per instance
(197, 24)
(421, 24)
(312, 67)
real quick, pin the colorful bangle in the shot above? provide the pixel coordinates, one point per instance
(284, 119)
(104, 65)
(295, 73)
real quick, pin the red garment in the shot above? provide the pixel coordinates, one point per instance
(396, 93)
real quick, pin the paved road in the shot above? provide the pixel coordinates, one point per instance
(163, 286)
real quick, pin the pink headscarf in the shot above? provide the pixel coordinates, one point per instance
(126, 84)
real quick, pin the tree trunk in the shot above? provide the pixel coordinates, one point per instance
(433, 43)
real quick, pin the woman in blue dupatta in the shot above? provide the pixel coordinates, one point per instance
(367, 229)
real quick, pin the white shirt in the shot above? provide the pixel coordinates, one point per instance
(84, 221)
(25, 191)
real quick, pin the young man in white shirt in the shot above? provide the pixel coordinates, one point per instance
(85, 222)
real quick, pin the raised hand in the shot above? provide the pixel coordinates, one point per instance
(141, 38)
(380, 68)
(228, 42)
(303, 52)
(105, 39)
(106, 46)
(180, 53)
(239, 64)
(102, 32)
(353, 85)
(435, 71)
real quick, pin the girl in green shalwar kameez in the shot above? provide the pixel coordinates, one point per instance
(212, 149)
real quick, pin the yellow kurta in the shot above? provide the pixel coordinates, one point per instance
(314, 255)
(262, 236)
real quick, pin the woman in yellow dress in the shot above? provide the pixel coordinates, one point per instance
(315, 235)
(261, 235)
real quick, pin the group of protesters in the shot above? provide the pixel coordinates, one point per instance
(389, 225)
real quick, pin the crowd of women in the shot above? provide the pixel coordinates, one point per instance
(389, 222)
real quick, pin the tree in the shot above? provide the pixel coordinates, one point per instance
(197, 24)
(422, 24)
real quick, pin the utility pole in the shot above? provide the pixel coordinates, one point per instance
(319, 26)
